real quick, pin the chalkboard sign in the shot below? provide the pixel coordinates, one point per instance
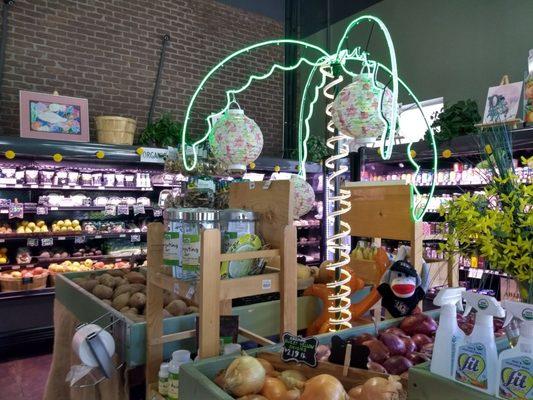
(299, 349)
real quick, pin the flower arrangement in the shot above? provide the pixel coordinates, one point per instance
(499, 222)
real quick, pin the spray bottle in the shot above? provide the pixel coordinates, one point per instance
(477, 357)
(448, 333)
(515, 366)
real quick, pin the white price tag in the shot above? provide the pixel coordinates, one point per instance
(98, 236)
(266, 284)
(4, 211)
(61, 238)
(135, 238)
(110, 210)
(123, 209)
(80, 239)
(177, 288)
(34, 186)
(190, 292)
(138, 209)
(54, 208)
(122, 235)
(41, 210)
(47, 241)
(158, 212)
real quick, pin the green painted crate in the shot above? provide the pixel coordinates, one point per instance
(261, 318)
(196, 379)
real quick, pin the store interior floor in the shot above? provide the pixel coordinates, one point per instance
(14, 382)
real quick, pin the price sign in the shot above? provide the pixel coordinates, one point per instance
(47, 241)
(16, 210)
(26, 281)
(32, 242)
(138, 209)
(110, 210)
(266, 284)
(123, 209)
(80, 239)
(299, 349)
(190, 292)
(158, 212)
(41, 210)
(135, 238)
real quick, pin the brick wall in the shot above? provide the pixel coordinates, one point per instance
(108, 52)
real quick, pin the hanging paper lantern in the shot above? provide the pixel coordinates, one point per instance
(236, 140)
(356, 110)
(304, 196)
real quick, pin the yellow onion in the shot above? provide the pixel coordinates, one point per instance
(245, 375)
(293, 379)
(274, 389)
(323, 387)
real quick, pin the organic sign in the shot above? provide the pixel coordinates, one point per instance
(299, 349)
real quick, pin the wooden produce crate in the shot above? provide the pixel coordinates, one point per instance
(262, 318)
(422, 384)
(196, 379)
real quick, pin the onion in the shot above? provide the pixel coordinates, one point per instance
(420, 323)
(274, 389)
(466, 327)
(397, 331)
(322, 387)
(219, 378)
(500, 333)
(405, 375)
(377, 388)
(269, 369)
(409, 343)
(378, 351)
(427, 350)
(252, 397)
(293, 379)
(396, 365)
(394, 343)
(420, 340)
(245, 375)
(359, 340)
(416, 358)
(322, 352)
(374, 366)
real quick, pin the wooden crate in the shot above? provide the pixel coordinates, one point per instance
(196, 379)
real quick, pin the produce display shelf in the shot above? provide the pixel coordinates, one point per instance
(196, 379)
(31, 208)
(46, 261)
(68, 236)
(77, 187)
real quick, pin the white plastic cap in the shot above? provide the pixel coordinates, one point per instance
(522, 311)
(163, 368)
(232, 348)
(181, 356)
(484, 304)
(452, 295)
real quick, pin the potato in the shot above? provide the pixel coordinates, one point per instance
(166, 314)
(116, 272)
(135, 277)
(90, 284)
(122, 289)
(168, 297)
(191, 310)
(103, 292)
(107, 301)
(137, 287)
(119, 281)
(124, 310)
(177, 307)
(79, 281)
(121, 301)
(106, 279)
(137, 300)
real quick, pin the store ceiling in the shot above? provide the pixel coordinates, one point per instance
(313, 13)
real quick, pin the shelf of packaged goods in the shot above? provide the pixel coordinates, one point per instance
(31, 208)
(44, 262)
(75, 187)
(478, 272)
(68, 236)
(309, 243)
(434, 237)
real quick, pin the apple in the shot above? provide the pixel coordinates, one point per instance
(38, 271)
(27, 275)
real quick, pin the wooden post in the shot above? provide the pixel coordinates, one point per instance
(154, 304)
(288, 281)
(209, 335)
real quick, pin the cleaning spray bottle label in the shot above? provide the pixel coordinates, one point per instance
(472, 366)
(516, 381)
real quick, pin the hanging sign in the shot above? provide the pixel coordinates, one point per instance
(16, 210)
(79, 239)
(47, 242)
(138, 209)
(299, 349)
(135, 238)
(110, 210)
(153, 155)
(123, 209)
(41, 210)
(158, 212)
(32, 242)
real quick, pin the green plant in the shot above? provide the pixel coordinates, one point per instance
(166, 131)
(455, 120)
(316, 150)
(499, 222)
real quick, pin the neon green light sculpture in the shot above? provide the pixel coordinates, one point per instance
(333, 69)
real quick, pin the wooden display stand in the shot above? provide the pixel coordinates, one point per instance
(273, 201)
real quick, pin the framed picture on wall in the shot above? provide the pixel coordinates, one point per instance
(502, 103)
(53, 117)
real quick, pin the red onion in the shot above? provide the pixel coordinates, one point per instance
(420, 323)
(397, 365)
(466, 327)
(416, 358)
(500, 333)
(409, 343)
(394, 343)
(405, 375)
(397, 331)
(322, 352)
(378, 351)
(374, 366)
(427, 350)
(420, 340)
(359, 340)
